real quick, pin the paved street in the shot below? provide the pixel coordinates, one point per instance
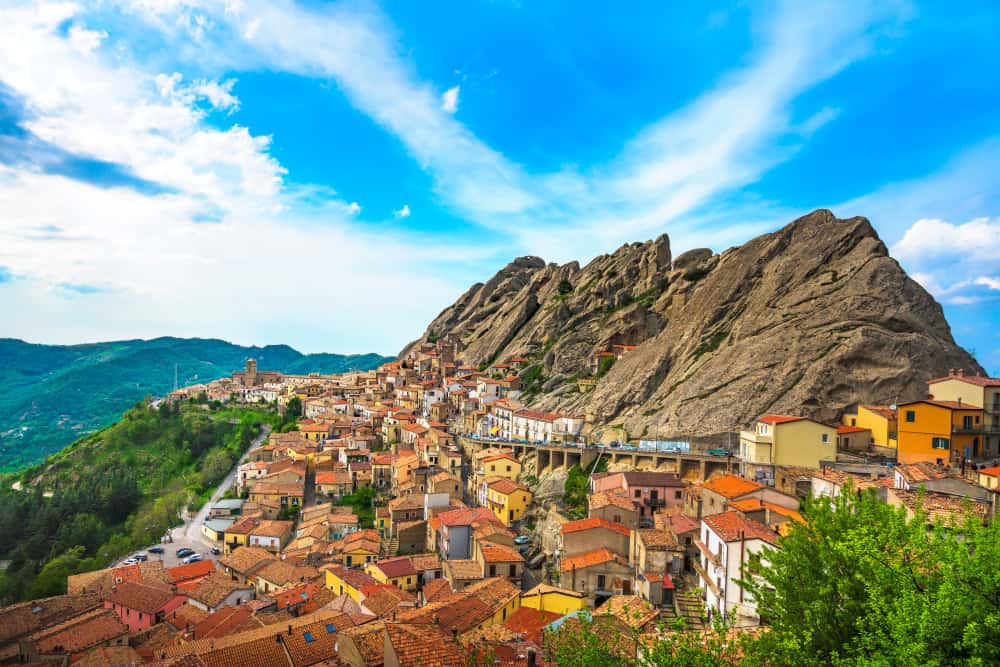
(189, 534)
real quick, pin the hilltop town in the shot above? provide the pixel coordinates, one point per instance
(408, 518)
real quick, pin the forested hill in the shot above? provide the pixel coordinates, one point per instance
(52, 394)
(114, 491)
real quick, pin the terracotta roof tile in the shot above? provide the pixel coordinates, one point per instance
(779, 419)
(246, 560)
(401, 566)
(80, 633)
(589, 559)
(731, 526)
(731, 486)
(592, 523)
(141, 596)
(423, 646)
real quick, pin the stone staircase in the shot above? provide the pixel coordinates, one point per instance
(691, 608)
(392, 547)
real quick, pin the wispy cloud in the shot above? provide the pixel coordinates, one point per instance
(723, 140)
(403, 212)
(955, 262)
(449, 100)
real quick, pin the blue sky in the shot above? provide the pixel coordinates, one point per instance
(331, 175)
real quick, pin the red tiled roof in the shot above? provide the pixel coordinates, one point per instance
(201, 568)
(950, 405)
(400, 566)
(589, 559)
(591, 523)
(992, 472)
(507, 486)
(731, 486)
(731, 526)
(529, 623)
(779, 419)
(976, 380)
(850, 429)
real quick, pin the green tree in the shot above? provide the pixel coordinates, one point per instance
(860, 583)
(216, 465)
(294, 407)
(52, 578)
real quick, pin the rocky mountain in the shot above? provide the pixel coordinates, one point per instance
(52, 394)
(809, 319)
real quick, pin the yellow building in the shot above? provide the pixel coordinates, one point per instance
(782, 440)
(493, 463)
(342, 580)
(398, 572)
(879, 419)
(942, 431)
(508, 500)
(238, 534)
(978, 391)
(553, 599)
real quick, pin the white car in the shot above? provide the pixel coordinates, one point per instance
(131, 561)
(193, 558)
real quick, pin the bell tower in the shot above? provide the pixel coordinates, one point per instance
(250, 374)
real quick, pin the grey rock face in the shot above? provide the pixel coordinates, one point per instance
(810, 319)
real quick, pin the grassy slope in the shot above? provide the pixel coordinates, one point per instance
(51, 394)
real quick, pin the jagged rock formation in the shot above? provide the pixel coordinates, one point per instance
(810, 319)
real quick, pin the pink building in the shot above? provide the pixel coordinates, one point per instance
(649, 490)
(141, 605)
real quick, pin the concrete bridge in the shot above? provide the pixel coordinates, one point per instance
(554, 457)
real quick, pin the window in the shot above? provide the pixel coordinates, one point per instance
(911, 416)
(493, 570)
(513, 571)
(940, 443)
(638, 493)
(600, 581)
(508, 468)
(677, 495)
(826, 438)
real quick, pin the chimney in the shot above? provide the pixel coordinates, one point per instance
(454, 634)
(959, 401)
(951, 372)
(289, 630)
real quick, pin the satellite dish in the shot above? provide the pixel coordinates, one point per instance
(893, 407)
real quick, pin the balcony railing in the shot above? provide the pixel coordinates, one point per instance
(967, 430)
(656, 502)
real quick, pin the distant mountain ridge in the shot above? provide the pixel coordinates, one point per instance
(52, 394)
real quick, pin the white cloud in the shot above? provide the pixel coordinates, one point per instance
(989, 281)
(449, 100)
(928, 239)
(141, 264)
(953, 261)
(720, 142)
(817, 120)
(403, 212)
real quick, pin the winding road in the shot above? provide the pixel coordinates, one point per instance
(189, 533)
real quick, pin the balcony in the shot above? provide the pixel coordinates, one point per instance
(656, 502)
(975, 429)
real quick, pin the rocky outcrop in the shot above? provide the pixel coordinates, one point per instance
(810, 319)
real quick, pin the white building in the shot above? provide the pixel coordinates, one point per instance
(726, 542)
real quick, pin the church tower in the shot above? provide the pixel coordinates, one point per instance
(250, 374)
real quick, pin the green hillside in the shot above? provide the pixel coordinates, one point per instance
(52, 394)
(114, 491)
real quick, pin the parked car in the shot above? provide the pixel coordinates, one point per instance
(193, 558)
(522, 539)
(155, 550)
(184, 551)
(141, 557)
(131, 561)
(216, 551)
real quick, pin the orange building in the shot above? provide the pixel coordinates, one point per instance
(939, 431)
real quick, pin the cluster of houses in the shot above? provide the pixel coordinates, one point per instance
(438, 571)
